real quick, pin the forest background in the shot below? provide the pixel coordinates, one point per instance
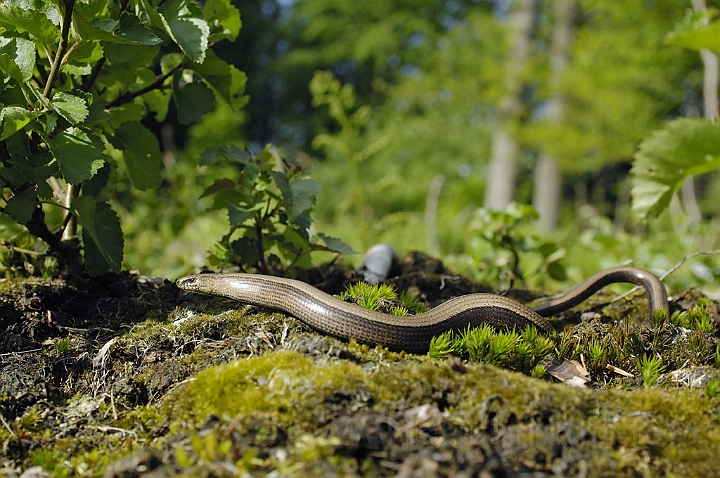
(431, 125)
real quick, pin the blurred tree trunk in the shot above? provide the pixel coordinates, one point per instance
(500, 186)
(710, 105)
(547, 180)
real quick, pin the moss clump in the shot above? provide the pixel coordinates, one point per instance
(295, 416)
(276, 383)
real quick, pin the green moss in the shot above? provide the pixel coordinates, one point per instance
(274, 383)
(624, 432)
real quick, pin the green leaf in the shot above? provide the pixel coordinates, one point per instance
(133, 31)
(246, 249)
(226, 80)
(86, 52)
(695, 32)
(39, 19)
(72, 108)
(101, 235)
(78, 152)
(184, 21)
(142, 154)
(304, 190)
(336, 245)
(665, 159)
(13, 119)
(223, 18)
(231, 152)
(21, 53)
(158, 102)
(129, 30)
(21, 206)
(194, 100)
(238, 214)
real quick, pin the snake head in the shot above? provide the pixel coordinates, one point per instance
(190, 283)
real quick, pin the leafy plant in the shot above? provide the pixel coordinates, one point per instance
(442, 345)
(268, 206)
(510, 349)
(684, 147)
(650, 369)
(79, 79)
(374, 297)
(500, 245)
(712, 388)
(63, 346)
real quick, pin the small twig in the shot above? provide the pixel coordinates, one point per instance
(20, 352)
(128, 97)
(7, 427)
(669, 271)
(69, 51)
(56, 65)
(90, 81)
(22, 251)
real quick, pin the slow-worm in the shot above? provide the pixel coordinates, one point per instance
(332, 316)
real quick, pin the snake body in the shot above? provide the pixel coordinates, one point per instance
(332, 316)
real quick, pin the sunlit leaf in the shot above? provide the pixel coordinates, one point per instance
(683, 148)
(79, 154)
(38, 18)
(13, 119)
(21, 52)
(224, 19)
(72, 108)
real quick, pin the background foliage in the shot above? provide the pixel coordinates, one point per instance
(406, 99)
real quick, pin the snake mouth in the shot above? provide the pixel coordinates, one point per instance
(187, 283)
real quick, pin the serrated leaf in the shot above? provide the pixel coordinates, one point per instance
(223, 18)
(304, 190)
(336, 245)
(219, 185)
(129, 30)
(226, 80)
(238, 213)
(13, 119)
(39, 19)
(78, 152)
(185, 23)
(21, 206)
(142, 154)
(133, 31)
(97, 113)
(72, 108)
(246, 249)
(21, 52)
(669, 156)
(101, 234)
(193, 101)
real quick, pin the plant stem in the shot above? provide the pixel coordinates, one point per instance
(62, 46)
(128, 97)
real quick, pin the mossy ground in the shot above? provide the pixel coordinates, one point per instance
(159, 383)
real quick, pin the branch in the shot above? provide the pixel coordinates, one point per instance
(670, 271)
(90, 81)
(62, 46)
(128, 97)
